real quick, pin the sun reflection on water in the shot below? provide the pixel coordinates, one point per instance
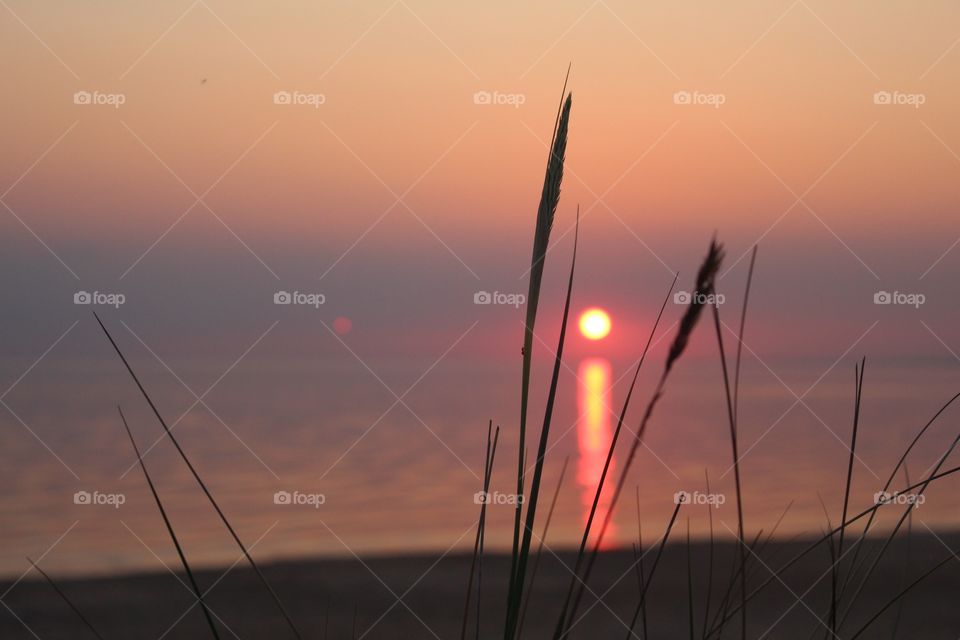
(594, 433)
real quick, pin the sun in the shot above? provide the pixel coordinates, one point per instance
(595, 323)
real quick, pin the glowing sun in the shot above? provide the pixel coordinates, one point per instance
(595, 323)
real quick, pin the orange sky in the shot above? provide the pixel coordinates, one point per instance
(398, 79)
(400, 166)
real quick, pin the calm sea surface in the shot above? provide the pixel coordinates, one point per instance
(341, 457)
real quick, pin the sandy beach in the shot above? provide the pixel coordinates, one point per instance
(153, 605)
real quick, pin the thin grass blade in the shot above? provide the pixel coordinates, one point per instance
(653, 569)
(546, 210)
(63, 596)
(173, 535)
(934, 475)
(201, 483)
(539, 553)
(609, 459)
(704, 288)
(900, 594)
(534, 496)
(487, 470)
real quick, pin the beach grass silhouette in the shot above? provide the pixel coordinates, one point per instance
(721, 607)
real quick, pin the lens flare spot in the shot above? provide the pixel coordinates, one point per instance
(342, 325)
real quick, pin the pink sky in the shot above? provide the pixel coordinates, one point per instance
(404, 178)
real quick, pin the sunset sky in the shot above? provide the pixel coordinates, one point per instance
(404, 179)
(304, 196)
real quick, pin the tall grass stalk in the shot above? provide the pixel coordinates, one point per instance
(201, 483)
(601, 483)
(487, 472)
(63, 596)
(706, 607)
(689, 583)
(641, 582)
(538, 555)
(855, 566)
(641, 571)
(743, 324)
(906, 564)
(893, 533)
(704, 288)
(173, 535)
(777, 573)
(483, 534)
(642, 602)
(732, 401)
(858, 382)
(900, 594)
(513, 610)
(326, 621)
(549, 199)
(727, 600)
(757, 547)
(834, 559)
